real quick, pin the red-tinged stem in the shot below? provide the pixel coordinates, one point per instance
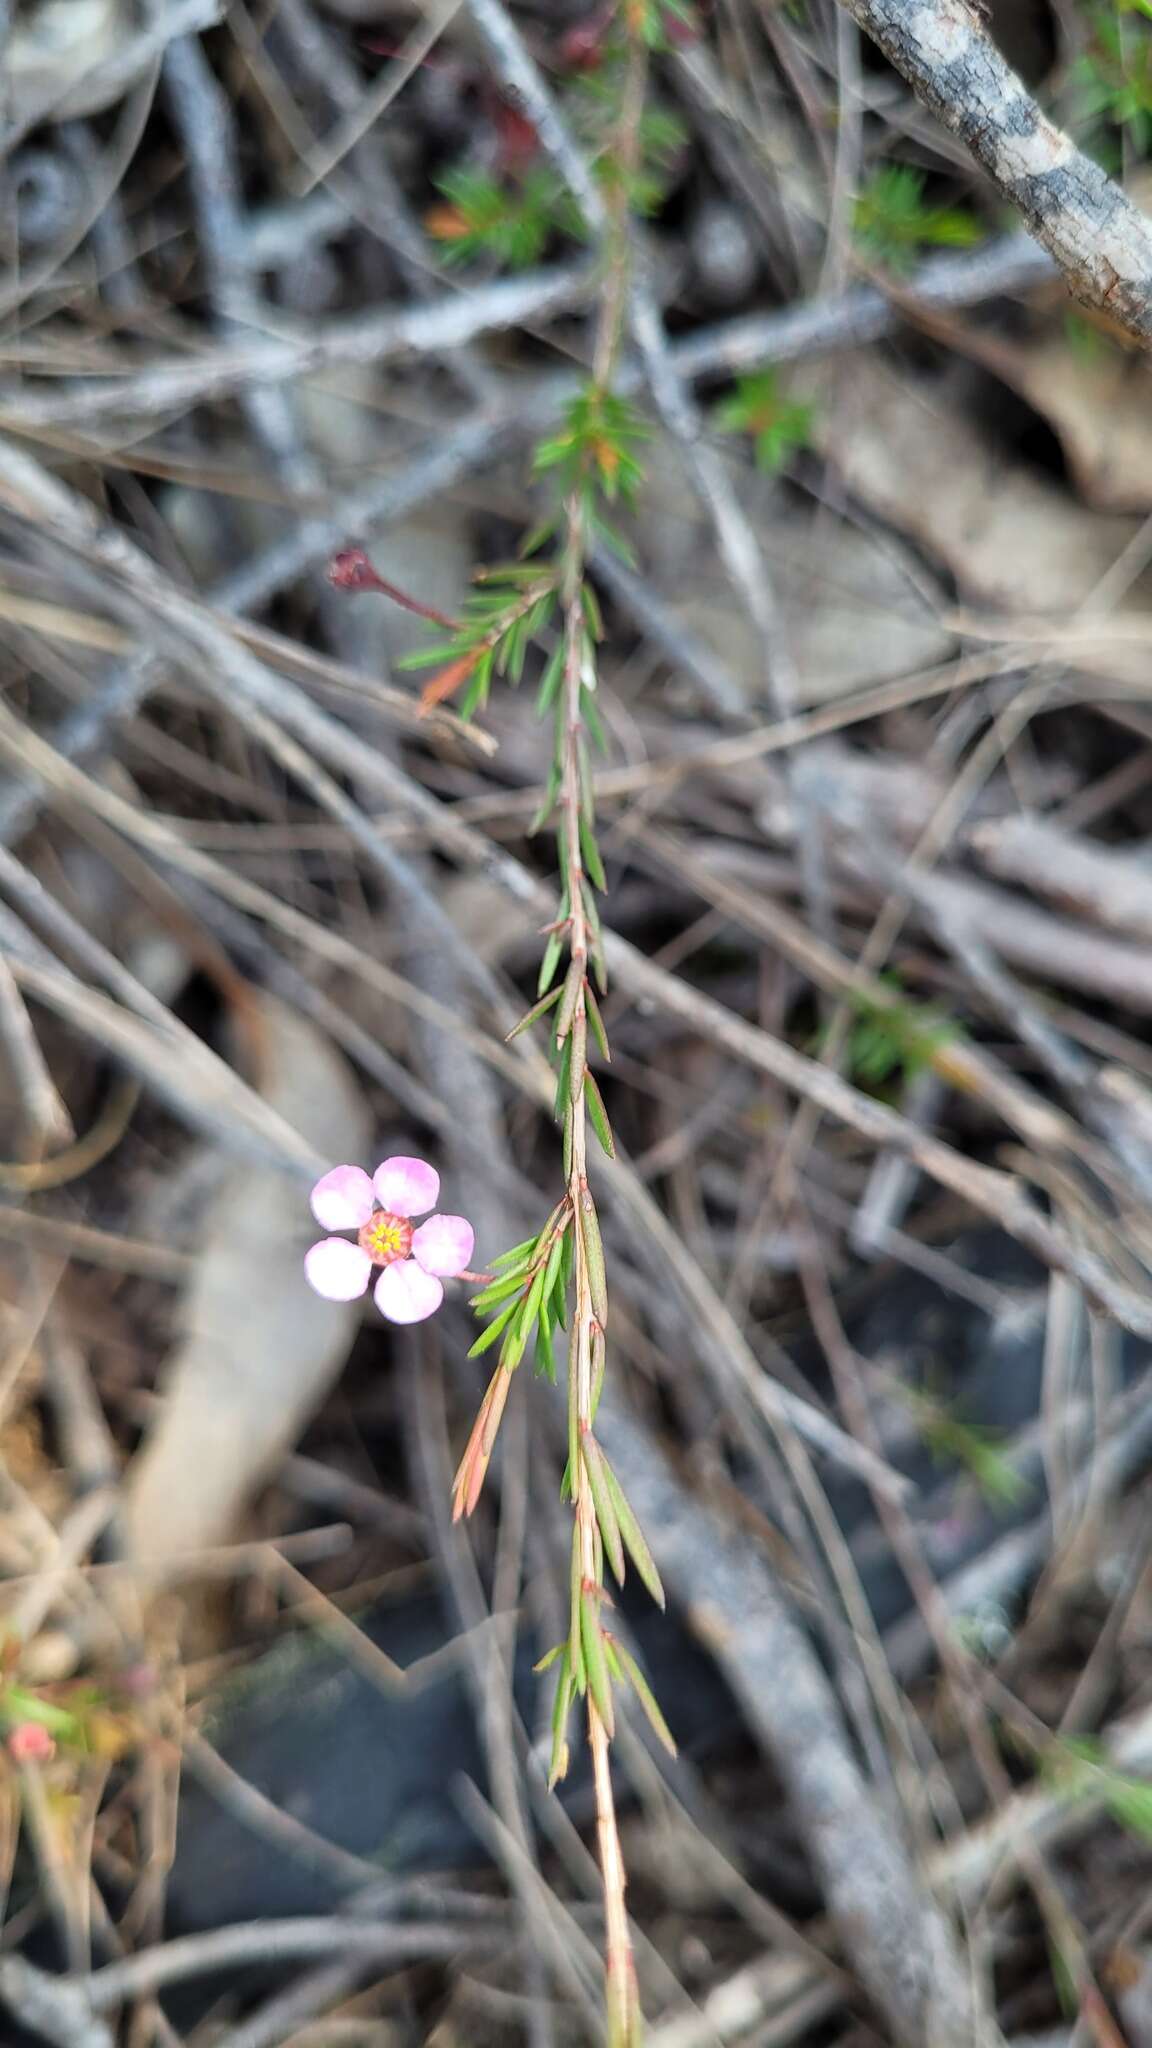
(621, 1974)
(470, 1473)
(352, 570)
(623, 2010)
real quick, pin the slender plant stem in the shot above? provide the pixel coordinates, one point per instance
(563, 1267)
(614, 304)
(585, 1324)
(587, 1335)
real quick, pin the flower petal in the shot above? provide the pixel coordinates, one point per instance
(405, 1293)
(343, 1199)
(30, 1743)
(406, 1186)
(444, 1245)
(337, 1269)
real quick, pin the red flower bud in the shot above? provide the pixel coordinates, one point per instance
(351, 570)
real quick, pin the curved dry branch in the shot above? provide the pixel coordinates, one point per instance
(1101, 241)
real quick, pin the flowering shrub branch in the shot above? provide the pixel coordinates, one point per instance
(558, 1278)
(555, 1280)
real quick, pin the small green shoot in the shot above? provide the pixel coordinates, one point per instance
(1112, 81)
(894, 1037)
(512, 224)
(777, 424)
(1079, 1768)
(972, 1445)
(892, 221)
(595, 448)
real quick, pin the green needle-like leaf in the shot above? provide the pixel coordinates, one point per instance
(597, 1022)
(594, 1466)
(496, 1292)
(594, 1259)
(591, 853)
(518, 1251)
(633, 1537)
(595, 1663)
(495, 1329)
(534, 1015)
(598, 1115)
(644, 1694)
(549, 963)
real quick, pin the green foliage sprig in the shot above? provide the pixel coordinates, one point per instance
(510, 221)
(892, 222)
(979, 1450)
(1111, 81)
(506, 611)
(512, 218)
(776, 424)
(893, 1036)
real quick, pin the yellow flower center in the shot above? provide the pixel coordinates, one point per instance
(386, 1238)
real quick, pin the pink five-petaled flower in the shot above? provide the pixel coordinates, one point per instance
(380, 1211)
(30, 1743)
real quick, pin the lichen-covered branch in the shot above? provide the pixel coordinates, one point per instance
(1101, 241)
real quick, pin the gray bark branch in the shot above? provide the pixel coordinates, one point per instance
(1101, 241)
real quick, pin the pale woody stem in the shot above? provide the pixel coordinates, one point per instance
(611, 323)
(618, 1943)
(618, 1940)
